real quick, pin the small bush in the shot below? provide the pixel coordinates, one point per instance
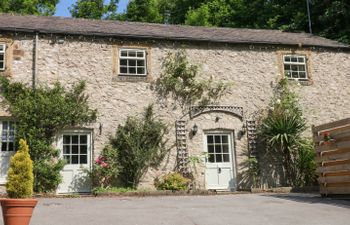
(172, 181)
(20, 177)
(105, 168)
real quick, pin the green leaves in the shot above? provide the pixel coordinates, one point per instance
(179, 80)
(94, 9)
(40, 115)
(30, 7)
(139, 144)
(282, 130)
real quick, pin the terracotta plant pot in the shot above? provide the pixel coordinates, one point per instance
(17, 211)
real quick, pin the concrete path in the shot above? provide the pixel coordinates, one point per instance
(281, 209)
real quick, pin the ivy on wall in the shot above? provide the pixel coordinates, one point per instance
(180, 81)
(40, 114)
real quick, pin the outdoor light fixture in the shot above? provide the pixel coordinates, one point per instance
(194, 129)
(244, 129)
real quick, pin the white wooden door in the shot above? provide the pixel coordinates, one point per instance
(219, 172)
(76, 151)
(7, 130)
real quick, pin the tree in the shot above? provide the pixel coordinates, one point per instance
(143, 11)
(94, 9)
(31, 7)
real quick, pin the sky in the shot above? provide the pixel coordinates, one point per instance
(62, 7)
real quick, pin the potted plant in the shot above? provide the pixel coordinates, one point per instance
(18, 208)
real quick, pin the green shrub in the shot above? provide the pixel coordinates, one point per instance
(172, 181)
(139, 144)
(20, 174)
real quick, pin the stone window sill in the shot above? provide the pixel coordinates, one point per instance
(130, 78)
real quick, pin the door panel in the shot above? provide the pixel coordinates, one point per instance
(219, 163)
(76, 151)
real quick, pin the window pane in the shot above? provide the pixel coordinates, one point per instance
(210, 149)
(218, 149)
(140, 62)
(224, 139)
(11, 147)
(225, 148)
(123, 62)
(83, 149)
(132, 62)
(294, 59)
(75, 139)
(218, 158)
(132, 54)
(132, 70)
(66, 149)
(301, 68)
(75, 159)
(83, 159)
(226, 157)
(295, 74)
(67, 159)
(286, 67)
(140, 70)
(66, 139)
(4, 147)
(75, 149)
(83, 139)
(4, 125)
(123, 70)
(302, 75)
(140, 54)
(217, 139)
(301, 59)
(210, 139)
(294, 67)
(1, 57)
(1, 47)
(123, 53)
(287, 58)
(1, 65)
(211, 158)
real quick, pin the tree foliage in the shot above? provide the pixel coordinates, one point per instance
(94, 9)
(20, 174)
(139, 144)
(143, 11)
(40, 114)
(31, 7)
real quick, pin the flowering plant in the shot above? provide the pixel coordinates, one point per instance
(105, 168)
(327, 138)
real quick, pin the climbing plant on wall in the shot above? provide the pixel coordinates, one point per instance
(40, 114)
(181, 80)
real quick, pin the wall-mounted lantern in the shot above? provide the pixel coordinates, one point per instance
(194, 129)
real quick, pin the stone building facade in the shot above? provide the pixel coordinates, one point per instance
(70, 50)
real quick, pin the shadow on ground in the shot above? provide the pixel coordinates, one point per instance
(312, 199)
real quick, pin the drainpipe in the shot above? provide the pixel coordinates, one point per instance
(35, 59)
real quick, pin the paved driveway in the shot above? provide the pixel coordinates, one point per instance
(194, 210)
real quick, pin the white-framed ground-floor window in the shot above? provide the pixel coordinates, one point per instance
(75, 147)
(8, 146)
(220, 168)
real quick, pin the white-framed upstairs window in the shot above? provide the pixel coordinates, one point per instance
(8, 132)
(2, 56)
(295, 67)
(132, 62)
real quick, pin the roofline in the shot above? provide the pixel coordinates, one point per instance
(150, 37)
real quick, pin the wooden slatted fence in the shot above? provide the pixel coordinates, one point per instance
(332, 144)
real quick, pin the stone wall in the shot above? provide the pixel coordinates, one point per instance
(253, 69)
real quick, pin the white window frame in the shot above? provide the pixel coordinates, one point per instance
(144, 58)
(3, 52)
(296, 64)
(88, 146)
(7, 136)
